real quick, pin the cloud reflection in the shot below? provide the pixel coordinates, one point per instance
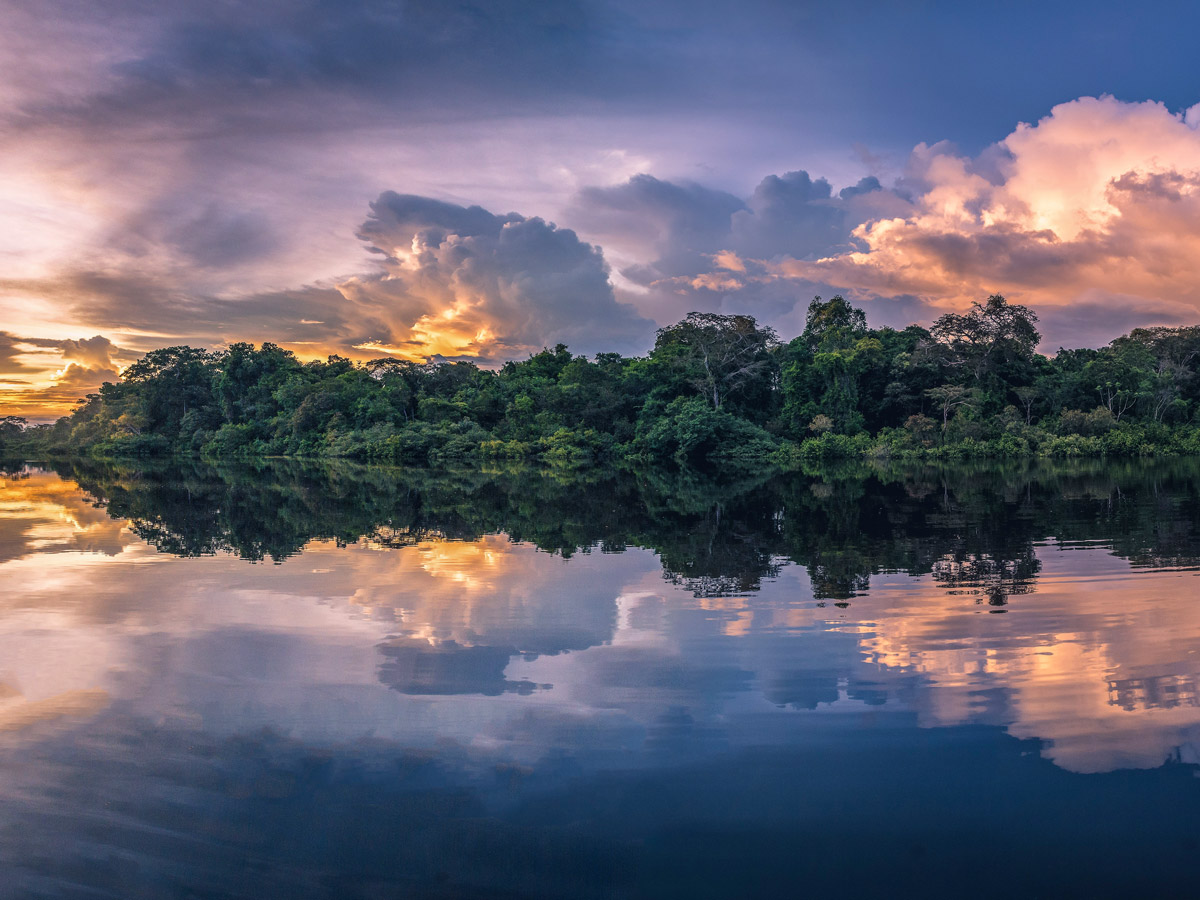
(1094, 657)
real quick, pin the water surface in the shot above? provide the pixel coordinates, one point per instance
(307, 680)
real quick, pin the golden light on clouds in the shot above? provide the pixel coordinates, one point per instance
(1099, 199)
(454, 332)
(1089, 215)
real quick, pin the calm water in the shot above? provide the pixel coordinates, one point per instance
(308, 681)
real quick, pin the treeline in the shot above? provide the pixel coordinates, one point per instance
(716, 392)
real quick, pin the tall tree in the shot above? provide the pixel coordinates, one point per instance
(718, 356)
(993, 343)
(833, 323)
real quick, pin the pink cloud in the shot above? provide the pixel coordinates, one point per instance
(1098, 199)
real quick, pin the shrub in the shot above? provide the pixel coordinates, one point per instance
(834, 446)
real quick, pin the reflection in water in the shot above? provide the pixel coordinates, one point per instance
(985, 577)
(465, 663)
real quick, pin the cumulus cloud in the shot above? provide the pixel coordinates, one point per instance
(464, 282)
(18, 354)
(1091, 215)
(1095, 207)
(683, 223)
(93, 353)
(794, 215)
(53, 373)
(687, 224)
(448, 281)
(712, 250)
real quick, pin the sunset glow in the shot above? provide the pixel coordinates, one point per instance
(598, 448)
(157, 192)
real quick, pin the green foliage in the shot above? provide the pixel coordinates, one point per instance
(833, 446)
(719, 357)
(689, 431)
(717, 393)
(991, 346)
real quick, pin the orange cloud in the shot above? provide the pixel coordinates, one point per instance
(49, 375)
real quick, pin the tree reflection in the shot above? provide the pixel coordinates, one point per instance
(985, 577)
(974, 529)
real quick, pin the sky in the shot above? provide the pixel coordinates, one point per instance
(479, 180)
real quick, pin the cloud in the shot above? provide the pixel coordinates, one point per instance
(794, 215)
(789, 215)
(1095, 206)
(94, 352)
(447, 281)
(56, 372)
(711, 249)
(684, 223)
(463, 282)
(215, 236)
(12, 349)
(243, 65)
(1091, 215)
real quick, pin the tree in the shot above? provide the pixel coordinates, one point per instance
(400, 380)
(1028, 395)
(920, 428)
(718, 356)
(842, 368)
(820, 424)
(992, 341)
(1174, 352)
(1122, 374)
(822, 368)
(170, 383)
(248, 379)
(833, 321)
(11, 427)
(948, 397)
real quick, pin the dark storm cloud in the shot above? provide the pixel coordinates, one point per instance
(789, 215)
(396, 218)
(793, 215)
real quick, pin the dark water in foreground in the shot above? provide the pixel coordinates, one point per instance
(306, 681)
